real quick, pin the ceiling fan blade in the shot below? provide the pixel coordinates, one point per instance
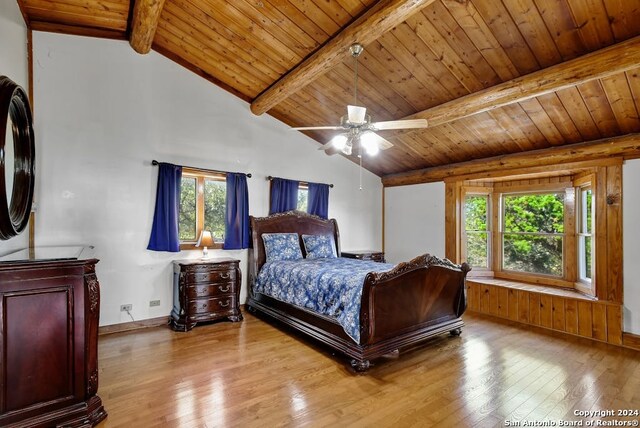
(314, 128)
(356, 114)
(400, 124)
(382, 143)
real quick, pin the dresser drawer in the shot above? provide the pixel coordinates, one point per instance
(211, 276)
(210, 290)
(216, 304)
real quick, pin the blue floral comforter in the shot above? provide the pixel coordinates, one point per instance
(331, 286)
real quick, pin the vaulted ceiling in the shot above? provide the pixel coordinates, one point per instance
(420, 66)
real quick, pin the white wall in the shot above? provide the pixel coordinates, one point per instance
(631, 244)
(13, 64)
(104, 112)
(414, 221)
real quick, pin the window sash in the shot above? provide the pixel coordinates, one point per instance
(466, 232)
(585, 232)
(501, 260)
(200, 194)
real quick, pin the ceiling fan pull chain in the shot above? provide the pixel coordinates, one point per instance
(360, 156)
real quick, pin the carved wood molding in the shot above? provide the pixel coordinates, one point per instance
(625, 146)
(381, 18)
(425, 260)
(93, 287)
(292, 213)
(92, 382)
(596, 65)
(144, 23)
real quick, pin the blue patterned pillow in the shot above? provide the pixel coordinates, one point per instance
(281, 246)
(319, 246)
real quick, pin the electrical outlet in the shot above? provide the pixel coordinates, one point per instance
(125, 308)
(154, 303)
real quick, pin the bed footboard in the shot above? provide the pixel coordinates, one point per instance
(414, 301)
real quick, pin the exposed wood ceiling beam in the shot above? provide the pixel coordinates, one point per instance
(596, 65)
(381, 18)
(146, 14)
(627, 146)
(76, 30)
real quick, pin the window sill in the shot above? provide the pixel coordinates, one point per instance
(532, 288)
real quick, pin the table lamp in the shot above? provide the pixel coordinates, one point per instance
(205, 240)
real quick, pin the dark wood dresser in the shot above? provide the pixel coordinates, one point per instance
(376, 256)
(49, 335)
(205, 290)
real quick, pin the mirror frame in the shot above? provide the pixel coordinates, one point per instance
(14, 103)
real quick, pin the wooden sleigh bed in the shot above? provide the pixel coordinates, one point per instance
(412, 302)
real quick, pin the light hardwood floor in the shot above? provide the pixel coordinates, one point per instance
(256, 374)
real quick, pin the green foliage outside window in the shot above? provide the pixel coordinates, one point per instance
(303, 199)
(475, 219)
(215, 195)
(187, 218)
(533, 227)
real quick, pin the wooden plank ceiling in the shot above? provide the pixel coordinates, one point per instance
(448, 49)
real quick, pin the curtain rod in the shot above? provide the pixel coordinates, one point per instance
(270, 177)
(155, 162)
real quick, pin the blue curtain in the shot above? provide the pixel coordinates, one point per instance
(164, 232)
(318, 203)
(284, 195)
(236, 224)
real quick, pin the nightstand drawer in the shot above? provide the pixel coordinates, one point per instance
(210, 290)
(217, 304)
(211, 276)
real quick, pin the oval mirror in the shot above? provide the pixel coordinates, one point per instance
(17, 159)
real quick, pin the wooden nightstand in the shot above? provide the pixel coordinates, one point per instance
(376, 256)
(205, 290)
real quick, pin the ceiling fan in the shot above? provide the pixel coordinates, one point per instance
(357, 129)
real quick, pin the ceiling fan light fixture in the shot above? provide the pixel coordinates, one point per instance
(339, 141)
(369, 143)
(348, 148)
(356, 114)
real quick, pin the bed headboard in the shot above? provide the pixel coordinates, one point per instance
(287, 222)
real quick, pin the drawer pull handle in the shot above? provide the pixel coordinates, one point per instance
(224, 304)
(225, 275)
(225, 289)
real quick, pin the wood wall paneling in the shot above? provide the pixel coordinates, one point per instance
(571, 316)
(534, 308)
(615, 285)
(599, 320)
(585, 319)
(575, 315)
(614, 324)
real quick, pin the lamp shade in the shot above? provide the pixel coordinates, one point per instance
(205, 240)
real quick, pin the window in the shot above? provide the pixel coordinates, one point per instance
(534, 230)
(476, 231)
(586, 209)
(202, 206)
(303, 197)
(533, 233)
